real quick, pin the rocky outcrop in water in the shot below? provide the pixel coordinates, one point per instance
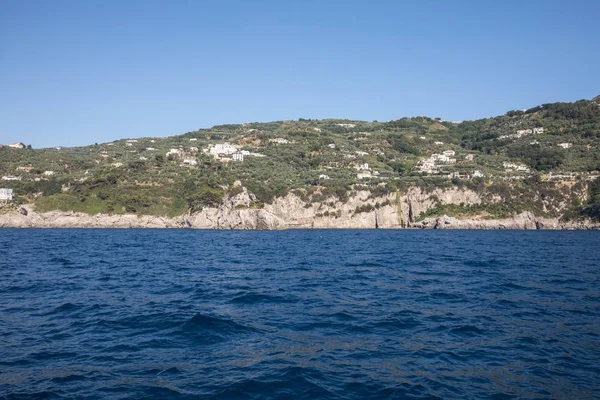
(361, 211)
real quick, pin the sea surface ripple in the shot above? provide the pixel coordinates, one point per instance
(183, 314)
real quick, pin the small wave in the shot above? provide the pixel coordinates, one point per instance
(65, 308)
(398, 323)
(291, 382)
(344, 316)
(511, 285)
(45, 394)
(170, 371)
(68, 378)
(61, 261)
(52, 355)
(253, 298)
(208, 329)
(467, 330)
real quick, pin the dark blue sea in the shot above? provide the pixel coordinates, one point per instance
(184, 314)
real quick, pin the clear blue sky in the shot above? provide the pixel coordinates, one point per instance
(81, 71)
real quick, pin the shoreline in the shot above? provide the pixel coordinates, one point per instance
(25, 217)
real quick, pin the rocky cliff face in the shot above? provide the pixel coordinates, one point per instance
(379, 212)
(26, 217)
(524, 220)
(416, 201)
(359, 212)
(235, 213)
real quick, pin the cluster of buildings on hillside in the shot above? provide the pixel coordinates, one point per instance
(509, 166)
(435, 162)
(364, 172)
(226, 152)
(187, 157)
(522, 132)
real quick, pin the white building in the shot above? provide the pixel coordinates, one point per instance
(427, 166)
(222, 148)
(193, 139)
(6, 194)
(48, 173)
(438, 143)
(238, 156)
(331, 145)
(131, 141)
(346, 125)
(538, 130)
(363, 174)
(190, 161)
(449, 153)
(364, 166)
(469, 157)
(279, 140)
(175, 152)
(17, 145)
(477, 174)
(565, 145)
(11, 178)
(516, 167)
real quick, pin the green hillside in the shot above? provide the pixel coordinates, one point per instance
(519, 156)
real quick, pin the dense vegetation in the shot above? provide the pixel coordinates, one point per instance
(320, 159)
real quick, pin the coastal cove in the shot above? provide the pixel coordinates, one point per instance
(332, 314)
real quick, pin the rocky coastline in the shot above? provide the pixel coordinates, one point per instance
(361, 211)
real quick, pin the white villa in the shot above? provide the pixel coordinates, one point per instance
(17, 145)
(449, 153)
(516, 167)
(279, 140)
(565, 145)
(11, 178)
(175, 152)
(6, 194)
(189, 161)
(221, 148)
(469, 157)
(364, 174)
(431, 164)
(238, 156)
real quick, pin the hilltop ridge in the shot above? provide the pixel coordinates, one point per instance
(543, 160)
